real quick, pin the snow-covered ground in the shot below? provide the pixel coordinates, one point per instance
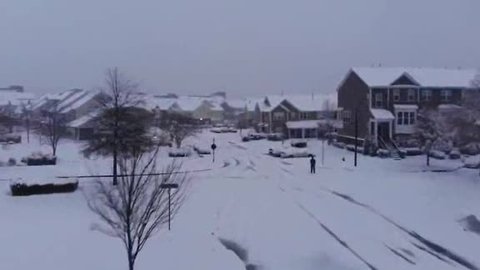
(383, 214)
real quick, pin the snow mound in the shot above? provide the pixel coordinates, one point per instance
(470, 223)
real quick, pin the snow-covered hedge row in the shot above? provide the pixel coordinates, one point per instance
(38, 159)
(19, 188)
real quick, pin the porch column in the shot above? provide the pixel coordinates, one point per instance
(303, 133)
(391, 128)
(375, 132)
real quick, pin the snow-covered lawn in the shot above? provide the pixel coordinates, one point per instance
(383, 214)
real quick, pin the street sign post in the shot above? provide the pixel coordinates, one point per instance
(213, 146)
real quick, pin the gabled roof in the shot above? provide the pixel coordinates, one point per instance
(81, 100)
(426, 77)
(304, 103)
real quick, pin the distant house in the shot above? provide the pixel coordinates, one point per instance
(203, 109)
(83, 128)
(297, 116)
(385, 101)
(70, 104)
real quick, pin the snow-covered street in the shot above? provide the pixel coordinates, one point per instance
(383, 214)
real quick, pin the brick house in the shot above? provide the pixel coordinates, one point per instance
(386, 101)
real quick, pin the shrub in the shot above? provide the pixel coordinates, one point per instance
(23, 189)
(39, 159)
(12, 162)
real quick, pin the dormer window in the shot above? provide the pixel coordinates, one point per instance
(411, 95)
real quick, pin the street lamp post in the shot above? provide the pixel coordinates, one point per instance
(169, 187)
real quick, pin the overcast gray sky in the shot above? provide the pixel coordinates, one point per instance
(245, 47)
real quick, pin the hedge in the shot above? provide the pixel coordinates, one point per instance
(22, 189)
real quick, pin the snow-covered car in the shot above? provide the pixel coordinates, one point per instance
(275, 152)
(454, 154)
(180, 152)
(412, 151)
(10, 138)
(39, 159)
(254, 137)
(201, 151)
(437, 154)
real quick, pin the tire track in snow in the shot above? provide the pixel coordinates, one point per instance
(330, 232)
(429, 246)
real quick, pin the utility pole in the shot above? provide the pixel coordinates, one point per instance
(356, 137)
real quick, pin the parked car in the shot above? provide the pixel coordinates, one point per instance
(299, 144)
(10, 138)
(254, 137)
(39, 159)
(275, 137)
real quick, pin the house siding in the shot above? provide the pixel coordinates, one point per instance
(353, 93)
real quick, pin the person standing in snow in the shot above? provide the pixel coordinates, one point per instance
(312, 164)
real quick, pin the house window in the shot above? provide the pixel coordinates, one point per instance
(378, 100)
(396, 94)
(293, 116)
(347, 116)
(412, 118)
(278, 116)
(427, 95)
(446, 95)
(399, 118)
(303, 115)
(411, 95)
(406, 118)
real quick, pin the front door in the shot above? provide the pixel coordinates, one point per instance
(384, 130)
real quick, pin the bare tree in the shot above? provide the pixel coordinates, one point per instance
(139, 205)
(432, 127)
(118, 95)
(178, 126)
(52, 128)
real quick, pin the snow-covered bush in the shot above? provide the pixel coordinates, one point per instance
(413, 151)
(470, 149)
(340, 145)
(443, 145)
(383, 153)
(12, 162)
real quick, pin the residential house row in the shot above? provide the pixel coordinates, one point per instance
(384, 102)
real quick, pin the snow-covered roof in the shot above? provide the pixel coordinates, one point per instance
(382, 114)
(79, 122)
(15, 98)
(81, 100)
(405, 107)
(426, 77)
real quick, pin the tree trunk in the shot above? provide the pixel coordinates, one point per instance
(54, 150)
(131, 265)
(428, 158)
